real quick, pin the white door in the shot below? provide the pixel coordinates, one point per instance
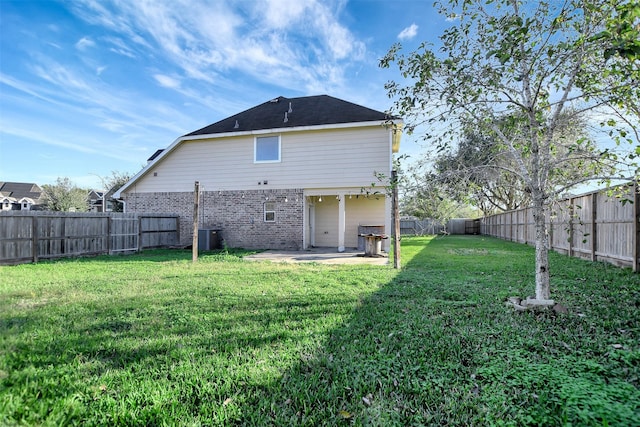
(326, 222)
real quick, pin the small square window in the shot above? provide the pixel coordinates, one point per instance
(270, 212)
(267, 149)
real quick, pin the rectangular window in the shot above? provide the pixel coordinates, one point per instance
(267, 149)
(270, 212)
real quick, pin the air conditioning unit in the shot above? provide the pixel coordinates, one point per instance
(208, 239)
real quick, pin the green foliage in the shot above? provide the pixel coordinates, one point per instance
(517, 73)
(154, 339)
(64, 196)
(427, 196)
(541, 65)
(481, 171)
(622, 32)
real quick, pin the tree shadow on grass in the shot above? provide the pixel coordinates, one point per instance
(442, 349)
(377, 368)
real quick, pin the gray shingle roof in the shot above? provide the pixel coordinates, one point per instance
(19, 190)
(303, 111)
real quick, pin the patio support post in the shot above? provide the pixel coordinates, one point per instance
(341, 222)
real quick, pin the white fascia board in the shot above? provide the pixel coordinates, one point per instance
(287, 130)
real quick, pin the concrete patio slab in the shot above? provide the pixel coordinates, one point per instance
(319, 255)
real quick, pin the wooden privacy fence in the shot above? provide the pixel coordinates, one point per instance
(416, 227)
(31, 236)
(594, 226)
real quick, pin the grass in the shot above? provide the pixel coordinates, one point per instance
(153, 339)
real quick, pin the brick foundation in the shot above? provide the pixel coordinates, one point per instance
(239, 215)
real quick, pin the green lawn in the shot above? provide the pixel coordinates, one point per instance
(153, 339)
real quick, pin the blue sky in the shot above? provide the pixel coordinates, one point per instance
(93, 86)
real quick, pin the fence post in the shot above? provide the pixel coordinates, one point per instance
(177, 223)
(34, 238)
(636, 227)
(139, 222)
(570, 225)
(63, 235)
(525, 224)
(109, 234)
(594, 225)
(511, 226)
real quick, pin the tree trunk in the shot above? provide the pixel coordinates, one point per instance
(542, 250)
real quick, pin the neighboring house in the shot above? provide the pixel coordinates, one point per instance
(102, 201)
(291, 173)
(20, 196)
(95, 200)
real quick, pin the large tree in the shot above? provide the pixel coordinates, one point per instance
(479, 169)
(426, 196)
(65, 196)
(535, 64)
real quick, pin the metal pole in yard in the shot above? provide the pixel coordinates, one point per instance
(196, 199)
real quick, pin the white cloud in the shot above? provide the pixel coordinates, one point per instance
(64, 88)
(22, 131)
(59, 75)
(85, 43)
(166, 81)
(341, 42)
(120, 47)
(288, 43)
(408, 33)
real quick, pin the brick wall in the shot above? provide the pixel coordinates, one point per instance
(239, 215)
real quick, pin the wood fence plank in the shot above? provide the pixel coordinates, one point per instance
(28, 236)
(593, 226)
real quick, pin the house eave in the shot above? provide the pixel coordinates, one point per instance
(286, 130)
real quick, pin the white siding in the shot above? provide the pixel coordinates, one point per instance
(362, 211)
(311, 159)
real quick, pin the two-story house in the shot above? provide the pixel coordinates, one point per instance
(291, 173)
(20, 196)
